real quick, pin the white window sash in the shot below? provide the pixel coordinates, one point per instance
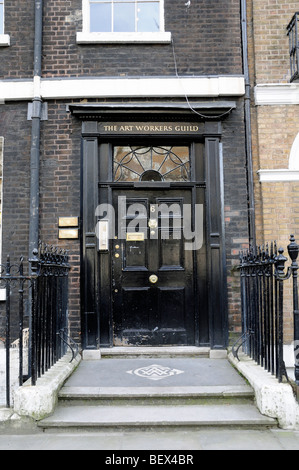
(86, 17)
(2, 23)
(4, 38)
(162, 19)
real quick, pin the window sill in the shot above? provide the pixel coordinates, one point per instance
(4, 40)
(123, 38)
(272, 176)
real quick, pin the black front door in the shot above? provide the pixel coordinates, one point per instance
(152, 271)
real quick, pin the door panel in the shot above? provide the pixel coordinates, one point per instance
(135, 256)
(172, 307)
(150, 311)
(134, 315)
(171, 252)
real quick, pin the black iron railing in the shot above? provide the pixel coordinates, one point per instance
(292, 31)
(262, 274)
(40, 298)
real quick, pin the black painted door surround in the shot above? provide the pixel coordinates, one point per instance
(151, 291)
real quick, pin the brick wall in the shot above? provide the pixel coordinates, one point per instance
(16, 61)
(235, 211)
(271, 47)
(274, 128)
(280, 219)
(16, 160)
(60, 192)
(206, 41)
(16, 131)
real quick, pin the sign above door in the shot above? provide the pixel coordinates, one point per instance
(152, 128)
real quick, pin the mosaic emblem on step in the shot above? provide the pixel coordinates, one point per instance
(155, 372)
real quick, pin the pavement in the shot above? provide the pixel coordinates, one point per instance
(176, 441)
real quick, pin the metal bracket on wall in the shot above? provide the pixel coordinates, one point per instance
(31, 111)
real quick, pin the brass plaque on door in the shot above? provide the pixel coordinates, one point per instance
(135, 237)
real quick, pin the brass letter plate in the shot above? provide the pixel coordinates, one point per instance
(135, 237)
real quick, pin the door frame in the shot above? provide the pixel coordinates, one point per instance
(95, 298)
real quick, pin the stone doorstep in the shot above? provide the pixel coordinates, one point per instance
(165, 351)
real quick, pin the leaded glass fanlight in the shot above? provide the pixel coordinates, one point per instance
(151, 163)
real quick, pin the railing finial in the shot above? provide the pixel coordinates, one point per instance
(34, 261)
(293, 249)
(280, 263)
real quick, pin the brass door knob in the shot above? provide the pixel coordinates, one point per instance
(153, 223)
(153, 279)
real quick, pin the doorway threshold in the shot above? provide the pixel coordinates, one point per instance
(151, 351)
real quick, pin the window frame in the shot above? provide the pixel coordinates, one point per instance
(4, 38)
(2, 22)
(139, 156)
(293, 34)
(124, 37)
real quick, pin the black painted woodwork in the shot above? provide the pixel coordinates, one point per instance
(105, 317)
(145, 313)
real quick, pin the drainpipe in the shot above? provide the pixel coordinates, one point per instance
(250, 191)
(35, 155)
(35, 132)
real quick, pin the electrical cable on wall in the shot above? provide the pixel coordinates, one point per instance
(185, 94)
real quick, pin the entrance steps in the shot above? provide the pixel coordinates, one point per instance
(128, 394)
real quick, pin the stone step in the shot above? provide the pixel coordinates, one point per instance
(151, 352)
(130, 417)
(156, 395)
(130, 393)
